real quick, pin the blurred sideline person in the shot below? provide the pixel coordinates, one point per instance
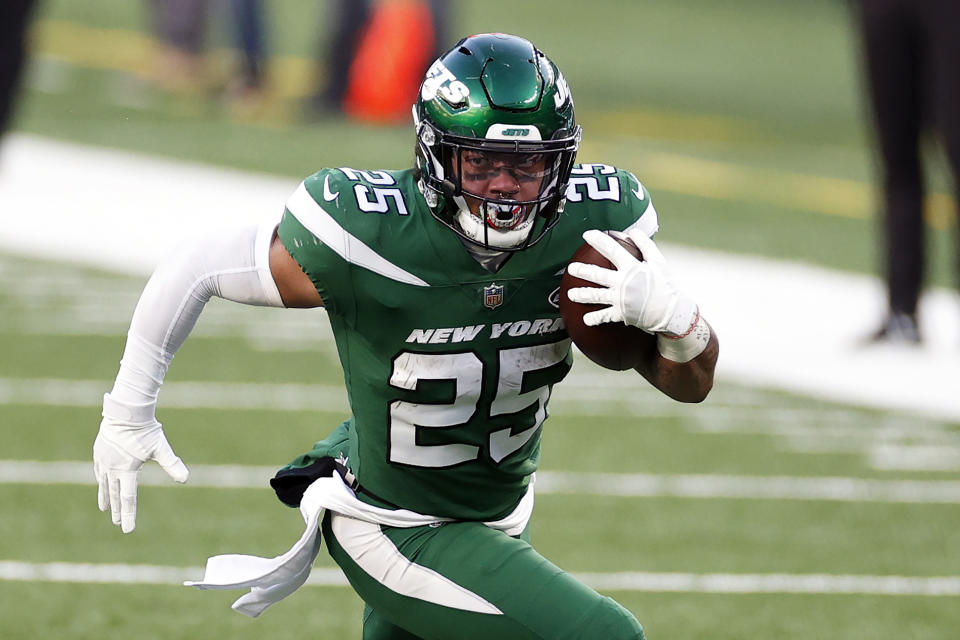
(441, 286)
(348, 28)
(912, 60)
(250, 41)
(14, 20)
(182, 29)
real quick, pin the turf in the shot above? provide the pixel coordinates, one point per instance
(739, 431)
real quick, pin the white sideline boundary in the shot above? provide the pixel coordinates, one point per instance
(139, 574)
(625, 485)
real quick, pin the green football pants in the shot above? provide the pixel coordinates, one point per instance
(466, 581)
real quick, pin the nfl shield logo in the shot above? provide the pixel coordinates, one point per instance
(493, 296)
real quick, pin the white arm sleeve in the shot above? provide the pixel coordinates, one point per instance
(234, 265)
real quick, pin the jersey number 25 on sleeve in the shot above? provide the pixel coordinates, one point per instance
(597, 180)
(376, 198)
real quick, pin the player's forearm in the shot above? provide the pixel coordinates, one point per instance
(232, 265)
(688, 381)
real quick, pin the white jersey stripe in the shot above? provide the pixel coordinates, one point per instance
(305, 209)
(648, 221)
(381, 560)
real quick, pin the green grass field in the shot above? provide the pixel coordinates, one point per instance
(742, 118)
(62, 327)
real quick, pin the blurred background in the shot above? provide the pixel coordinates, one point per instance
(802, 500)
(745, 118)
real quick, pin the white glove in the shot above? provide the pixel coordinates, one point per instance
(639, 292)
(121, 448)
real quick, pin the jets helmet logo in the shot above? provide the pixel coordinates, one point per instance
(441, 80)
(493, 296)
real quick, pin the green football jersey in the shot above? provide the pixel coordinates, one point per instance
(448, 367)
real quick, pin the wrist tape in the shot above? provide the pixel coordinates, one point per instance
(685, 347)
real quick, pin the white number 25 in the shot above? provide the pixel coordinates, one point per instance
(466, 371)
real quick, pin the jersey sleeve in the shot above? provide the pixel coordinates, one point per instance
(643, 213)
(311, 232)
(610, 198)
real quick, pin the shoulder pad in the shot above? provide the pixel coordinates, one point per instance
(361, 203)
(604, 182)
(593, 169)
(326, 187)
(610, 197)
(348, 190)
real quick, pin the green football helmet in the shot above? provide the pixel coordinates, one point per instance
(498, 103)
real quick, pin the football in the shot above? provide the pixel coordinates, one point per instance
(611, 345)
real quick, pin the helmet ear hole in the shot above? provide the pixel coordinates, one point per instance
(428, 137)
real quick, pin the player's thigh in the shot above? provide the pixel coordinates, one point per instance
(467, 581)
(376, 627)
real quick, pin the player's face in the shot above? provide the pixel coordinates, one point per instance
(504, 177)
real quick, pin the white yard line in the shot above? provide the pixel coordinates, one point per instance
(629, 485)
(748, 487)
(578, 395)
(131, 574)
(180, 395)
(782, 325)
(582, 393)
(773, 583)
(896, 442)
(88, 573)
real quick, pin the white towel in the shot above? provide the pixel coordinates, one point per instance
(273, 579)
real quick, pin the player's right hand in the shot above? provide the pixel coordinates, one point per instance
(119, 451)
(638, 293)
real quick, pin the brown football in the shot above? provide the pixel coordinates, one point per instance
(611, 345)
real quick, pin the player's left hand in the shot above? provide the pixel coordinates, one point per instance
(638, 293)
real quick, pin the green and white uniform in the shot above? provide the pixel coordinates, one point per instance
(449, 369)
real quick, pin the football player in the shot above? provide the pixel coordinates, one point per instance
(441, 284)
